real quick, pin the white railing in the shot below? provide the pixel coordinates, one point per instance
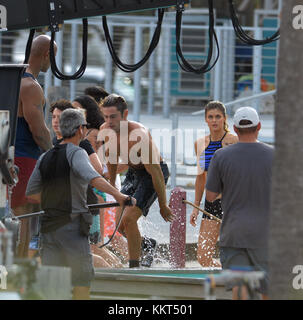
(160, 85)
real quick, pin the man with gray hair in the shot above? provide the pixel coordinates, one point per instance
(59, 181)
(242, 173)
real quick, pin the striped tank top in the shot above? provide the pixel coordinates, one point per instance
(208, 153)
(25, 145)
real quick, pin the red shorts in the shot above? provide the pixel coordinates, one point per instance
(26, 167)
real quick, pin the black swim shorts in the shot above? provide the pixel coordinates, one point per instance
(213, 208)
(139, 184)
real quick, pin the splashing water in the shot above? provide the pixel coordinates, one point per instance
(153, 226)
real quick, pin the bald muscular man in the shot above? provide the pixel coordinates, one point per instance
(33, 136)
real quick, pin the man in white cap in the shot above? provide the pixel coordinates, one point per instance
(242, 174)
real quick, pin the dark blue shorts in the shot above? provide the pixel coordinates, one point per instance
(139, 184)
(213, 208)
(66, 247)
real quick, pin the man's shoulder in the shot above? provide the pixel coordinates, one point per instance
(133, 125)
(71, 148)
(266, 146)
(30, 88)
(228, 149)
(138, 130)
(75, 154)
(239, 147)
(30, 84)
(227, 152)
(267, 150)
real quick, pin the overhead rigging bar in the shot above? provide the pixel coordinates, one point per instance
(38, 13)
(33, 14)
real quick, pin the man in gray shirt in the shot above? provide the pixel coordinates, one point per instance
(60, 181)
(242, 174)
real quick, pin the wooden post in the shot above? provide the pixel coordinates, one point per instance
(177, 244)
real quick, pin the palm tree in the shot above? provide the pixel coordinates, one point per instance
(286, 229)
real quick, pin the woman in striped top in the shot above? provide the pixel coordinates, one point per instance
(205, 147)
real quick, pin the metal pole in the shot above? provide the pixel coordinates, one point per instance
(47, 81)
(231, 63)
(137, 76)
(225, 65)
(167, 69)
(257, 96)
(59, 40)
(1, 47)
(173, 168)
(47, 78)
(151, 76)
(4, 134)
(74, 49)
(269, 5)
(257, 69)
(218, 72)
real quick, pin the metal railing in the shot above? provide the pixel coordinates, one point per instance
(160, 85)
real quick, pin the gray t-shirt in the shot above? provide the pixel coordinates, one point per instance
(81, 173)
(242, 173)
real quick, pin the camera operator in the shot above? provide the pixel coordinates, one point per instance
(59, 181)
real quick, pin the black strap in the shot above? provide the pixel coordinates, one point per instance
(29, 45)
(245, 37)
(78, 74)
(224, 136)
(219, 140)
(154, 43)
(183, 63)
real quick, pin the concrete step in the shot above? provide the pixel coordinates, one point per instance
(184, 170)
(186, 182)
(185, 177)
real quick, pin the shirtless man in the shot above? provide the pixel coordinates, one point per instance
(33, 136)
(147, 175)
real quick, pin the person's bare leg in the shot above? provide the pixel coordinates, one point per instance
(119, 246)
(208, 237)
(81, 293)
(129, 226)
(22, 250)
(112, 260)
(117, 218)
(99, 262)
(243, 294)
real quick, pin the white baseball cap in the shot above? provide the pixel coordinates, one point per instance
(246, 113)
